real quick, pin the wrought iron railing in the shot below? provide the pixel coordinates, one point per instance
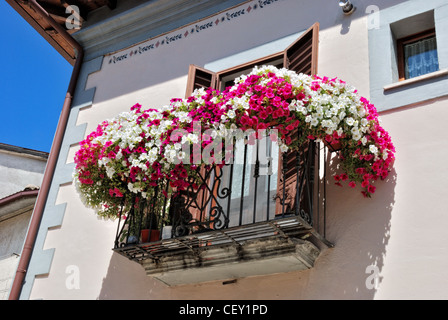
(242, 193)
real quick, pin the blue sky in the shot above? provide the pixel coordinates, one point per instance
(33, 83)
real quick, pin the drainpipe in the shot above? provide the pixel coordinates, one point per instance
(52, 160)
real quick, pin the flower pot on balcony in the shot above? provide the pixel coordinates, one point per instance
(167, 232)
(148, 235)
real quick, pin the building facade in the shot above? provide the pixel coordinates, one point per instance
(21, 172)
(388, 246)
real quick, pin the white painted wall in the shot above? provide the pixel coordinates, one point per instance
(396, 238)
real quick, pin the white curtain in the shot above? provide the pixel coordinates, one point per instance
(421, 58)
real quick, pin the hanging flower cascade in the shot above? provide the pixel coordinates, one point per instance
(133, 152)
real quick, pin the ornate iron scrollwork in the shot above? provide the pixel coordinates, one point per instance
(206, 204)
(199, 209)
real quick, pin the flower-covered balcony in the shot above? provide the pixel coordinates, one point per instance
(234, 220)
(189, 212)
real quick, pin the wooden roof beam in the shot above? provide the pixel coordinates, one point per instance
(82, 10)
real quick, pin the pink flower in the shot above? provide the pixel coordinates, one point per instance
(264, 114)
(115, 193)
(315, 86)
(277, 113)
(245, 120)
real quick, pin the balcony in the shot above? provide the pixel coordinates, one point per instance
(238, 220)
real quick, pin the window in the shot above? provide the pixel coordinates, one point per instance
(300, 56)
(417, 55)
(407, 23)
(255, 198)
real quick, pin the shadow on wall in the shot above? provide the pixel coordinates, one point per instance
(359, 228)
(127, 280)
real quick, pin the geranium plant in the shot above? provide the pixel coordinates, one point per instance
(137, 150)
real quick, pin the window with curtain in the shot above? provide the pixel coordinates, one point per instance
(418, 55)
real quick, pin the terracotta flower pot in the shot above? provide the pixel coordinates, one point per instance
(150, 235)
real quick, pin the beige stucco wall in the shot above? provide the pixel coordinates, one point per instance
(396, 238)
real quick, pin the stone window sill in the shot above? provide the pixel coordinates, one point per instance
(422, 78)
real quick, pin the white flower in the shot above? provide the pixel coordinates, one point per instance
(193, 138)
(231, 114)
(133, 188)
(110, 172)
(373, 149)
(283, 147)
(364, 122)
(364, 141)
(350, 121)
(215, 133)
(340, 131)
(302, 109)
(327, 123)
(177, 146)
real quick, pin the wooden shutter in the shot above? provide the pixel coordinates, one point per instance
(301, 57)
(199, 78)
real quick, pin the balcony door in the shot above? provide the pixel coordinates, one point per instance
(261, 183)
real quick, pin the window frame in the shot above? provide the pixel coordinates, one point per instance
(310, 37)
(408, 40)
